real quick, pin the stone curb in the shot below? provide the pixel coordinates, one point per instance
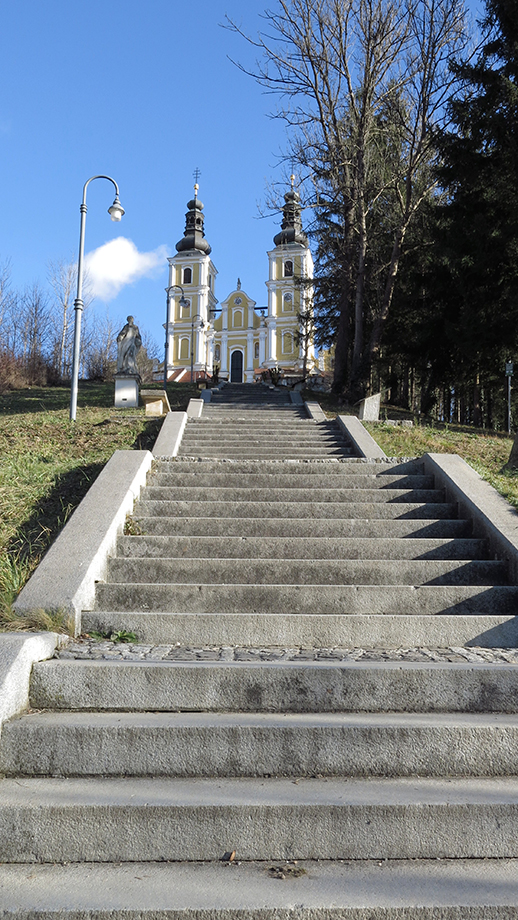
(360, 438)
(17, 656)
(65, 579)
(493, 517)
(170, 437)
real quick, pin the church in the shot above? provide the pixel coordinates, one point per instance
(239, 341)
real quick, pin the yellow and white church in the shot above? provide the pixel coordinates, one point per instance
(238, 340)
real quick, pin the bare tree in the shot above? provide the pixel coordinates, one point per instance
(362, 85)
(62, 278)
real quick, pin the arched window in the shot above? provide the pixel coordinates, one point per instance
(187, 275)
(288, 269)
(256, 350)
(238, 318)
(287, 343)
(184, 349)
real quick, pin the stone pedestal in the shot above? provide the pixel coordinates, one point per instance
(126, 391)
(370, 408)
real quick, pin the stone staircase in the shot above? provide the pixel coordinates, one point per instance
(259, 767)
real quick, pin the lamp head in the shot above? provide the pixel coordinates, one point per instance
(183, 301)
(116, 211)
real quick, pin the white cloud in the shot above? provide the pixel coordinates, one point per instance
(118, 263)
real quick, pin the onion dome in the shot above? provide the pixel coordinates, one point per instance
(291, 226)
(194, 236)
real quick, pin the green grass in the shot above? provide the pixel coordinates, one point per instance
(486, 451)
(48, 463)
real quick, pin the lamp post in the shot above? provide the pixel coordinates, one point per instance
(195, 317)
(116, 212)
(183, 303)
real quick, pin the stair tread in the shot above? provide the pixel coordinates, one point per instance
(134, 890)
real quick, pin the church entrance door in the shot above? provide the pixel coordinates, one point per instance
(236, 367)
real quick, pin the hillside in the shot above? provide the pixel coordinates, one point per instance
(47, 464)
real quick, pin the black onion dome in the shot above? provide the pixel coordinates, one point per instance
(291, 227)
(194, 236)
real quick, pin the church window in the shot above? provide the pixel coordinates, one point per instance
(256, 350)
(217, 353)
(238, 318)
(288, 269)
(287, 303)
(187, 275)
(287, 343)
(184, 349)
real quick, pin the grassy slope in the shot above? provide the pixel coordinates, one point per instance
(47, 464)
(486, 451)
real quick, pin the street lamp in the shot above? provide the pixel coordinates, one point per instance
(183, 303)
(116, 211)
(195, 317)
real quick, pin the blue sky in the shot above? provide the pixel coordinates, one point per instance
(144, 92)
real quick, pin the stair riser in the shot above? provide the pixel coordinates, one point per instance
(306, 572)
(298, 548)
(313, 510)
(321, 495)
(307, 527)
(267, 466)
(130, 832)
(212, 750)
(288, 687)
(285, 481)
(311, 630)
(307, 599)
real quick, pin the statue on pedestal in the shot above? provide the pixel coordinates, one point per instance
(129, 342)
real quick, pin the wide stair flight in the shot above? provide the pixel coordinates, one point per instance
(258, 770)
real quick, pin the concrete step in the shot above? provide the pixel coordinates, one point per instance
(307, 572)
(380, 890)
(323, 599)
(252, 493)
(224, 479)
(241, 547)
(271, 528)
(370, 510)
(490, 628)
(262, 744)
(83, 819)
(251, 453)
(276, 686)
(354, 466)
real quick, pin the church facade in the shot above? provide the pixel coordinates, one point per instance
(238, 340)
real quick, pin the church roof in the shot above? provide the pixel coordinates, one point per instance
(291, 227)
(194, 236)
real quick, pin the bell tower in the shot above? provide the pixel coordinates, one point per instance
(189, 328)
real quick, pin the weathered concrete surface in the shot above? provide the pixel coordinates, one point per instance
(315, 411)
(206, 395)
(262, 744)
(84, 819)
(195, 408)
(355, 890)
(363, 443)
(492, 516)
(170, 437)
(365, 630)
(370, 408)
(65, 579)
(18, 652)
(274, 687)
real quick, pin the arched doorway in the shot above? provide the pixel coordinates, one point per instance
(236, 367)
